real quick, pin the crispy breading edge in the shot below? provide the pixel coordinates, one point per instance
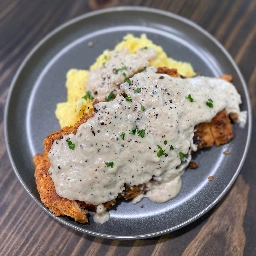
(221, 128)
(59, 206)
(203, 136)
(219, 131)
(169, 71)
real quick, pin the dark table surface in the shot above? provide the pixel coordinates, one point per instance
(228, 229)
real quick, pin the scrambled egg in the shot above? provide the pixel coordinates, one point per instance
(68, 113)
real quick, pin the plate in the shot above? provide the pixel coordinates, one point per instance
(40, 83)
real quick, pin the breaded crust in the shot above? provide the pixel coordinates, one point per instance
(169, 71)
(203, 136)
(59, 206)
(227, 78)
(221, 128)
(219, 131)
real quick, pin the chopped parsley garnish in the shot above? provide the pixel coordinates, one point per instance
(142, 133)
(127, 80)
(165, 142)
(142, 107)
(122, 135)
(103, 64)
(133, 130)
(209, 103)
(71, 145)
(144, 68)
(128, 98)
(145, 48)
(88, 96)
(138, 90)
(182, 155)
(110, 97)
(171, 147)
(120, 69)
(160, 151)
(105, 57)
(109, 164)
(189, 97)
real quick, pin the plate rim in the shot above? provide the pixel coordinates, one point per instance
(123, 9)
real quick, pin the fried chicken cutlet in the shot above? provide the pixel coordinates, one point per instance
(218, 131)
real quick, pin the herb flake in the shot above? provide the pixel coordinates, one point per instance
(141, 133)
(171, 147)
(71, 145)
(122, 135)
(110, 97)
(128, 98)
(160, 151)
(142, 107)
(133, 130)
(189, 97)
(209, 103)
(182, 155)
(109, 164)
(88, 96)
(120, 69)
(138, 90)
(127, 80)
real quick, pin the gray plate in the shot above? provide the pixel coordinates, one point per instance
(40, 83)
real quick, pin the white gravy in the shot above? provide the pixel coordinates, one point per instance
(120, 66)
(164, 191)
(129, 142)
